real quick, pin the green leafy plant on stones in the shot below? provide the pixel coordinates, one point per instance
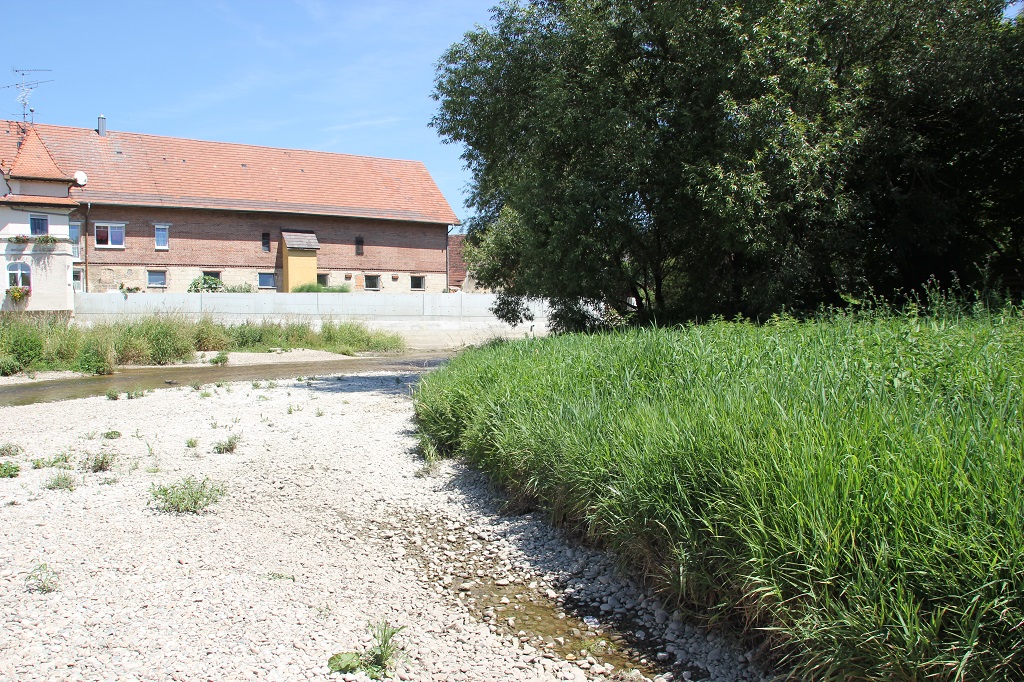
(111, 435)
(62, 480)
(229, 445)
(220, 358)
(62, 461)
(103, 461)
(11, 450)
(9, 470)
(377, 659)
(187, 496)
(113, 395)
(42, 579)
(191, 442)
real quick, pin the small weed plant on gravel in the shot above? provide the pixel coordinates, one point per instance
(113, 395)
(192, 443)
(377, 659)
(111, 435)
(187, 496)
(9, 470)
(42, 579)
(850, 485)
(62, 480)
(11, 450)
(98, 463)
(229, 445)
(61, 461)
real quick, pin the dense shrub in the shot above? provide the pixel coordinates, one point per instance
(96, 356)
(851, 487)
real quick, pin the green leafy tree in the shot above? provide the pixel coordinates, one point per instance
(656, 161)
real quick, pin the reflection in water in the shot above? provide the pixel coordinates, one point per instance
(148, 378)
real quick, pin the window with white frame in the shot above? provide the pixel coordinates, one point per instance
(39, 225)
(417, 282)
(267, 280)
(19, 275)
(161, 236)
(76, 279)
(75, 234)
(110, 235)
(371, 282)
(156, 278)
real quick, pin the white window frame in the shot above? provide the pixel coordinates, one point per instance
(273, 277)
(150, 285)
(423, 281)
(44, 218)
(80, 285)
(110, 228)
(76, 242)
(369, 288)
(20, 269)
(166, 227)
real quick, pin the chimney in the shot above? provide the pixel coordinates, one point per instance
(101, 125)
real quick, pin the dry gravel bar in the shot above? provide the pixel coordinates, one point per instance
(330, 521)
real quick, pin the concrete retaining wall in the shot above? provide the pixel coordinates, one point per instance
(458, 310)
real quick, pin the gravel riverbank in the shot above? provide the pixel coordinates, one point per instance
(330, 521)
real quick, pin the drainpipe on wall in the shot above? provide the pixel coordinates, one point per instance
(84, 235)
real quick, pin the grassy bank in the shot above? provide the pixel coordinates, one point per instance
(47, 343)
(854, 488)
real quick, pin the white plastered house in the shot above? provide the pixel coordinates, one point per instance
(36, 247)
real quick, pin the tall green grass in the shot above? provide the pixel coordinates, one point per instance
(851, 489)
(40, 343)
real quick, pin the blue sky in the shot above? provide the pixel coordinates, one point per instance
(330, 75)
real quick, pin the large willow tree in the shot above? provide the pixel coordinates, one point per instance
(668, 160)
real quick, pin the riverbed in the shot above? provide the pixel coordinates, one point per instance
(331, 521)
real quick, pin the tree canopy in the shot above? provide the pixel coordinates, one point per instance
(661, 161)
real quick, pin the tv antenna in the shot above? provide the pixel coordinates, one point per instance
(25, 88)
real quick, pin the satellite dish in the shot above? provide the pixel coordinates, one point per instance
(81, 178)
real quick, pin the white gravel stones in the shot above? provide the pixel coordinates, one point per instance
(328, 523)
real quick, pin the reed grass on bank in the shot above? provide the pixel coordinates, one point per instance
(852, 488)
(51, 343)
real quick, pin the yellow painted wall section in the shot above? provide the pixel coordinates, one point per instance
(298, 268)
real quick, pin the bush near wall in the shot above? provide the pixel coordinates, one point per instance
(852, 489)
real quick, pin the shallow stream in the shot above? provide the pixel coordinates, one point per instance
(148, 378)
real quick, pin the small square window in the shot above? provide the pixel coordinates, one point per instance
(161, 235)
(266, 241)
(371, 282)
(321, 279)
(212, 273)
(267, 280)
(39, 225)
(417, 282)
(156, 278)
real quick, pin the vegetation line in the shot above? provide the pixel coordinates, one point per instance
(31, 344)
(849, 487)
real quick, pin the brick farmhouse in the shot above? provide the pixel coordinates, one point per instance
(123, 210)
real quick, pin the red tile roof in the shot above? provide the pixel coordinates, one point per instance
(33, 161)
(147, 170)
(37, 200)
